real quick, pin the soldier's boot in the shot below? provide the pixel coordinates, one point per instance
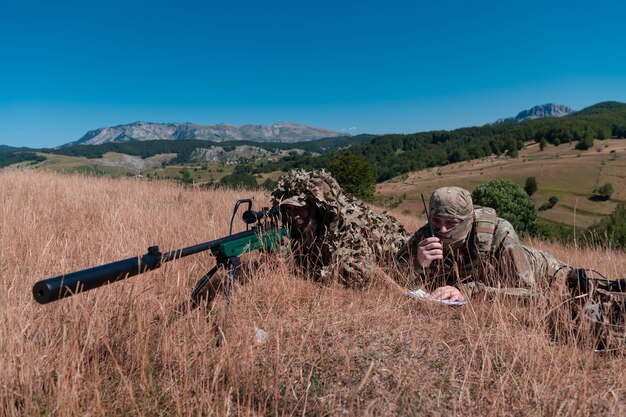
(590, 309)
(605, 307)
(564, 304)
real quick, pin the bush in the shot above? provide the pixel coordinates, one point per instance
(611, 230)
(551, 203)
(556, 232)
(531, 186)
(510, 202)
(354, 175)
(269, 184)
(585, 143)
(244, 180)
(185, 176)
(604, 192)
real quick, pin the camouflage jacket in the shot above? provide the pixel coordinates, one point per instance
(358, 240)
(492, 255)
(352, 239)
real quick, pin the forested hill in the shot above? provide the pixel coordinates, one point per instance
(184, 148)
(6, 148)
(395, 154)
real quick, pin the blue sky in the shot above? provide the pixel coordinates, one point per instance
(363, 66)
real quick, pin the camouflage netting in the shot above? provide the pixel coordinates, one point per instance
(318, 187)
(355, 237)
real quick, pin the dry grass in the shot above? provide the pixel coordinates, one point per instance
(123, 349)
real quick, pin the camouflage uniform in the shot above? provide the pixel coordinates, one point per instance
(351, 238)
(483, 249)
(588, 307)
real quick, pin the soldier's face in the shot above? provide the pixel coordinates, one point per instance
(444, 224)
(297, 217)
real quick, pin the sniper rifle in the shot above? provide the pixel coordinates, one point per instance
(264, 231)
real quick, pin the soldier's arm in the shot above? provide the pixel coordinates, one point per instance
(409, 269)
(407, 255)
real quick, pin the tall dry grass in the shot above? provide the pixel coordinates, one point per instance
(125, 350)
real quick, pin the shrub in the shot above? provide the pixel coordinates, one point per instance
(612, 229)
(354, 175)
(239, 180)
(604, 192)
(269, 184)
(185, 176)
(551, 203)
(585, 143)
(510, 202)
(556, 232)
(531, 186)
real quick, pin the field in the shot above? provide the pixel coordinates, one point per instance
(130, 349)
(115, 165)
(562, 171)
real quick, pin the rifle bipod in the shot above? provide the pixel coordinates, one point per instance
(206, 289)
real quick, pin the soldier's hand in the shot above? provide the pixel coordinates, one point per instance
(447, 293)
(428, 250)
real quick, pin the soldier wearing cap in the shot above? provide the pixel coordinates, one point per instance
(467, 244)
(332, 235)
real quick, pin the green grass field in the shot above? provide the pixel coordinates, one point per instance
(157, 167)
(562, 171)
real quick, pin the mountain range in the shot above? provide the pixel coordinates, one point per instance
(284, 132)
(538, 112)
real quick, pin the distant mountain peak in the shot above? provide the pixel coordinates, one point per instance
(538, 112)
(142, 131)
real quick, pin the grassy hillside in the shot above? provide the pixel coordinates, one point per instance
(126, 349)
(158, 166)
(396, 154)
(561, 171)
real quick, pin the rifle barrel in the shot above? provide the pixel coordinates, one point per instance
(55, 288)
(62, 286)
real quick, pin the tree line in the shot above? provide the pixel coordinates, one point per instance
(396, 154)
(9, 158)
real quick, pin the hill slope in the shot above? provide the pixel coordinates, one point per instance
(562, 171)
